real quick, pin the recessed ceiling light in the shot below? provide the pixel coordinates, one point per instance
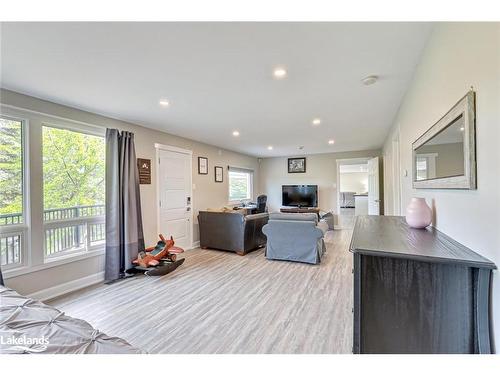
(236, 133)
(331, 142)
(164, 102)
(279, 73)
(269, 148)
(370, 80)
(462, 129)
(316, 121)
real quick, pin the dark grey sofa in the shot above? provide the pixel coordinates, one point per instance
(232, 231)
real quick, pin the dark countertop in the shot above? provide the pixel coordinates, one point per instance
(390, 236)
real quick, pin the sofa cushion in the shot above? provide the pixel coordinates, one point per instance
(256, 216)
(227, 210)
(294, 216)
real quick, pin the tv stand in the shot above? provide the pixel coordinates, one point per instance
(300, 210)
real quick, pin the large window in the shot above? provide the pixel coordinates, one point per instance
(12, 218)
(73, 191)
(240, 184)
(52, 193)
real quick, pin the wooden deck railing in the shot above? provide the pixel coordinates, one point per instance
(66, 230)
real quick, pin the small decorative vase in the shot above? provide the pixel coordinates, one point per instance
(418, 213)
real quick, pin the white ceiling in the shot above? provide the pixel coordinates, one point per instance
(218, 78)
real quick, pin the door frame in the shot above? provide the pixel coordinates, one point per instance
(161, 147)
(380, 199)
(396, 173)
(344, 162)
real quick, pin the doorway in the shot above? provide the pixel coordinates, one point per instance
(357, 189)
(174, 189)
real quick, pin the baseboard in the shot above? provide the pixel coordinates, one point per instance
(70, 286)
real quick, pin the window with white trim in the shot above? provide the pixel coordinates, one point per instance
(240, 184)
(12, 193)
(73, 191)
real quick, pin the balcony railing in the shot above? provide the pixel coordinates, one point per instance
(67, 230)
(10, 248)
(10, 219)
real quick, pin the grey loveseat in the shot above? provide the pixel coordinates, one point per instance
(232, 231)
(295, 237)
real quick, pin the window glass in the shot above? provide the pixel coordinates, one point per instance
(73, 190)
(11, 172)
(240, 185)
(11, 192)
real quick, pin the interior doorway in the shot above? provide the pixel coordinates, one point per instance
(357, 190)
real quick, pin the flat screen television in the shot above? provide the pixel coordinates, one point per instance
(300, 195)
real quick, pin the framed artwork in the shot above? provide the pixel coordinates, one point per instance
(144, 167)
(202, 165)
(219, 174)
(296, 165)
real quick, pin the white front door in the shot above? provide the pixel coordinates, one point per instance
(373, 187)
(174, 184)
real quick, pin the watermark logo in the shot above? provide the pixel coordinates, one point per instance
(24, 343)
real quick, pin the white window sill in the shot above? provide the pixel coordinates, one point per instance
(53, 262)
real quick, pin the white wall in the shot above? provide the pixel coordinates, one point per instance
(354, 181)
(207, 192)
(458, 56)
(321, 170)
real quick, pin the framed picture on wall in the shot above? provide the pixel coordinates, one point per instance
(219, 174)
(296, 165)
(202, 165)
(144, 167)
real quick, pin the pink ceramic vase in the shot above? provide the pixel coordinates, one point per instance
(418, 213)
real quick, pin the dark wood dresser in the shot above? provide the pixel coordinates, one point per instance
(417, 290)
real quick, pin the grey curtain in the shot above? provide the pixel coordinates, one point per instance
(124, 234)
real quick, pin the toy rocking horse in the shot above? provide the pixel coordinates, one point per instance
(163, 256)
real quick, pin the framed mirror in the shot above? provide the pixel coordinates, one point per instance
(444, 157)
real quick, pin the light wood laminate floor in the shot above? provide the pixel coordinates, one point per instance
(220, 302)
(346, 218)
